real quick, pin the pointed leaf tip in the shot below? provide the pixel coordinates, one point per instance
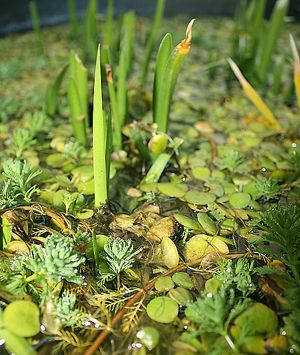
(294, 50)
(188, 35)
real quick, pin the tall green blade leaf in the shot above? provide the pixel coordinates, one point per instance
(99, 140)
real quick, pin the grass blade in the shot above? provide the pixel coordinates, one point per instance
(100, 140)
(117, 133)
(254, 97)
(162, 57)
(53, 91)
(73, 18)
(77, 118)
(157, 168)
(296, 68)
(78, 98)
(168, 78)
(90, 29)
(159, 12)
(109, 23)
(125, 63)
(80, 74)
(36, 27)
(268, 42)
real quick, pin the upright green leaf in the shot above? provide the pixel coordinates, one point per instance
(36, 27)
(159, 12)
(100, 140)
(52, 92)
(90, 28)
(73, 18)
(163, 96)
(270, 38)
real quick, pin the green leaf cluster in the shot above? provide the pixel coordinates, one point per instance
(22, 140)
(232, 160)
(213, 313)
(237, 275)
(18, 183)
(66, 310)
(45, 266)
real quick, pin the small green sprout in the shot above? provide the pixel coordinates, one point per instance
(22, 140)
(38, 122)
(66, 311)
(18, 184)
(119, 254)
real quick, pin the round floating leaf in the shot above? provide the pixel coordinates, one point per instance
(207, 223)
(212, 285)
(164, 283)
(187, 222)
(240, 200)
(85, 214)
(57, 160)
(162, 309)
(181, 295)
(172, 189)
(201, 173)
(183, 279)
(199, 198)
(148, 336)
(261, 319)
(87, 187)
(22, 318)
(201, 245)
(83, 173)
(166, 253)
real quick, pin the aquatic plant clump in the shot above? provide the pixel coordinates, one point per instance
(149, 200)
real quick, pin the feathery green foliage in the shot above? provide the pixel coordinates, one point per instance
(213, 313)
(45, 266)
(281, 229)
(78, 98)
(159, 12)
(120, 256)
(18, 184)
(237, 274)
(38, 122)
(66, 311)
(22, 140)
(36, 27)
